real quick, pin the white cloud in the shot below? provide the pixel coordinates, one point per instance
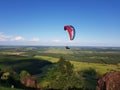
(4, 37)
(20, 40)
(8, 38)
(35, 40)
(17, 38)
(56, 41)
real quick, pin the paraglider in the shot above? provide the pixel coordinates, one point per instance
(71, 32)
(67, 47)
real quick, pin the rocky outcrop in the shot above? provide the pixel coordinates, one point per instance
(109, 81)
(29, 82)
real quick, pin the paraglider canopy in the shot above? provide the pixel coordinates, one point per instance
(71, 31)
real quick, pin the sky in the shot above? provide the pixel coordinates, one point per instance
(41, 22)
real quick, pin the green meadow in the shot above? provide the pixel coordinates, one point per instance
(88, 64)
(100, 68)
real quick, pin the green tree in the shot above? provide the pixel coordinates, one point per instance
(64, 67)
(61, 76)
(23, 74)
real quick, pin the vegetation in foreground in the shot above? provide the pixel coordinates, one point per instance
(62, 76)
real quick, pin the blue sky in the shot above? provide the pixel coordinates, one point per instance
(41, 22)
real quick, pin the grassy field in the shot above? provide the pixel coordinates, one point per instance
(100, 68)
(91, 55)
(38, 59)
(103, 59)
(19, 63)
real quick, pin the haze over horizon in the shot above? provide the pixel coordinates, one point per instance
(41, 22)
